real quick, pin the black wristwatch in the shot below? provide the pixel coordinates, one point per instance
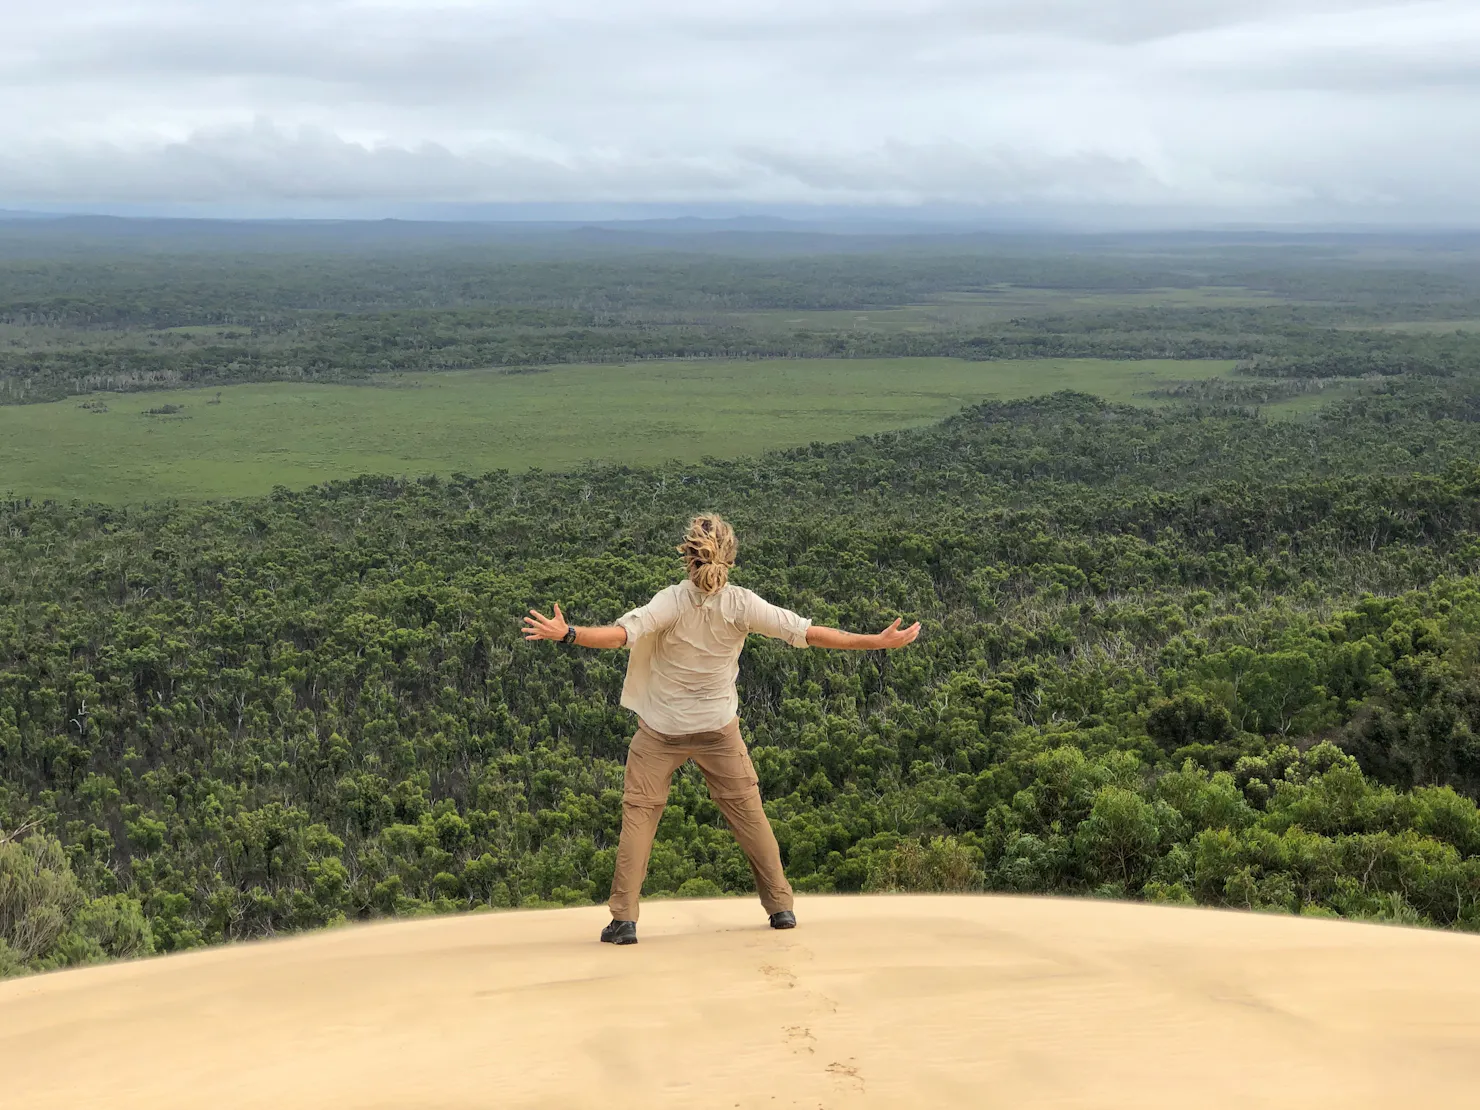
(570, 635)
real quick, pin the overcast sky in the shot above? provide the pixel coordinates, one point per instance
(1230, 107)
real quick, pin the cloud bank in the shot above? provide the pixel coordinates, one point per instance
(1233, 107)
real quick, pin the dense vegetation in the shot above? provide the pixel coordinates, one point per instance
(89, 307)
(1187, 656)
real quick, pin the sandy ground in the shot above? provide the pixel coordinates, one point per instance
(872, 1002)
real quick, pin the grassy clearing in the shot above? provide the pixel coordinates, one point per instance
(263, 435)
(978, 309)
(1429, 327)
(206, 331)
(1308, 404)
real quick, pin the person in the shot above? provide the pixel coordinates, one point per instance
(684, 658)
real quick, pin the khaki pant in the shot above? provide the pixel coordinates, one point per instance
(651, 760)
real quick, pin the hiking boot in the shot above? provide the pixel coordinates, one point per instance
(620, 932)
(785, 919)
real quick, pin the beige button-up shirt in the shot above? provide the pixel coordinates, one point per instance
(685, 654)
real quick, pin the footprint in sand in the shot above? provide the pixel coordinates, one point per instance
(800, 1040)
(846, 1075)
(779, 975)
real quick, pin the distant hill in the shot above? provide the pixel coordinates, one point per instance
(44, 234)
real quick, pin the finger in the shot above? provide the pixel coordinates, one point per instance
(537, 614)
(559, 616)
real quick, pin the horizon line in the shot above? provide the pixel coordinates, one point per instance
(832, 220)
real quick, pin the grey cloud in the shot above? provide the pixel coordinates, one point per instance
(1262, 104)
(246, 163)
(1414, 45)
(946, 171)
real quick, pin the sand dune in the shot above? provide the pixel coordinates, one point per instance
(873, 1002)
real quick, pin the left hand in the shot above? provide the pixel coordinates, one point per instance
(897, 637)
(537, 626)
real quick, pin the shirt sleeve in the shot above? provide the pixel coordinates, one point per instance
(655, 616)
(770, 620)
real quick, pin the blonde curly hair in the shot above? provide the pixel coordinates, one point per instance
(708, 549)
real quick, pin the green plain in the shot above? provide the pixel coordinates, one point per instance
(986, 307)
(1434, 327)
(263, 435)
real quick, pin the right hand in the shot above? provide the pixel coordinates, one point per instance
(537, 626)
(896, 637)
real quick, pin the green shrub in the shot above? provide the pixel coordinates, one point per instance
(943, 865)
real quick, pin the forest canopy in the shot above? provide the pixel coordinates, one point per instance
(1187, 655)
(125, 306)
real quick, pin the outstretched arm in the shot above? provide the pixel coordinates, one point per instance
(892, 637)
(537, 626)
